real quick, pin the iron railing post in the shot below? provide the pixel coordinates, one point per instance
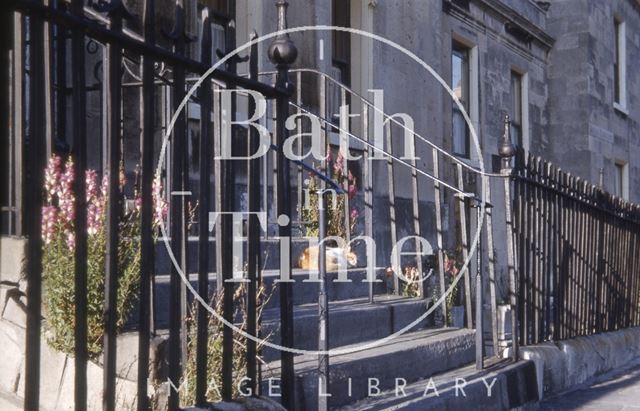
(80, 152)
(506, 152)
(34, 169)
(282, 53)
(253, 231)
(147, 266)
(323, 306)
(203, 215)
(116, 11)
(178, 216)
(476, 203)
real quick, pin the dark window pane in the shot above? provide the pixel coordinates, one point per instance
(460, 134)
(341, 40)
(460, 87)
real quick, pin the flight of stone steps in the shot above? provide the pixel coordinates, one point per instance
(421, 352)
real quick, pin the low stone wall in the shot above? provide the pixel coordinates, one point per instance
(565, 364)
(56, 369)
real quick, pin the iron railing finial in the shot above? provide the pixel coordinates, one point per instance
(506, 146)
(506, 149)
(282, 52)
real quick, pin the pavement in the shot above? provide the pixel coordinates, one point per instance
(616, 390)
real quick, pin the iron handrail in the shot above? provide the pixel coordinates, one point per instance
(390, 118)
(384, 152)
(323, 177)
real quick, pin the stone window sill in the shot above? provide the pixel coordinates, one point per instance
(621, 109)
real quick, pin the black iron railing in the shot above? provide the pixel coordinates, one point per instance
(577, 260)
(570, 258)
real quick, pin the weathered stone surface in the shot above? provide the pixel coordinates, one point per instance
(12, 341)
(411, 356)
(499, 387)
(12, 252)
(13, 303)
(565, 364)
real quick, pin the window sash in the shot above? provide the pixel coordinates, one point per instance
(460, 85)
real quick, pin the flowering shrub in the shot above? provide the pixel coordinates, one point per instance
(214, 347)
(58, 220)
(335, 212)
(452, 268)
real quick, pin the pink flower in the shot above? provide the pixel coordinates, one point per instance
(450, 266)
(71, 240)
(160, 206)
(65, 194)
(94, 218)
(353, 190)
(91, 181)
(104, 187)
(49, 221)
(52, 177)
(339, 164)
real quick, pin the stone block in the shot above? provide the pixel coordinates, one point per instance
(13, 305)
(12, 340)
(12, 257)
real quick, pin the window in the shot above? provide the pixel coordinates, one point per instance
(621, 180)
(516, 109)
(619, 66)
(341, 40)
(460, 86)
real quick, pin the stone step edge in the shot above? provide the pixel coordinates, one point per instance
(502, 385)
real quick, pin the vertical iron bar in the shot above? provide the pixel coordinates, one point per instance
(392, 201)
(61, 75)
(113, 209)
(203, 218)
(18, 125)
(415, 206)
(227, 203)
(368, 194)
(465, 248)
(506, 152)
(253, 230)
(535, 250)
(323, 306)
(479, 308)
(218, 180)
(345, 166)
(34, 169)
(439, 234)
(282, 53)
(299, 146)
(80, 154)
(491, 269)
(178, 211)
(48, 84)
(146, 227)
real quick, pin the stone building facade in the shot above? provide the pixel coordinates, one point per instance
(550, 65)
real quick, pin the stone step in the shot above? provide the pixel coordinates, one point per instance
(270, 252)
(411, 356)
(304, 292)
(502, 385)
(385, 316)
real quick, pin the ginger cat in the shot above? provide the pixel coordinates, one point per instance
(336, 258)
